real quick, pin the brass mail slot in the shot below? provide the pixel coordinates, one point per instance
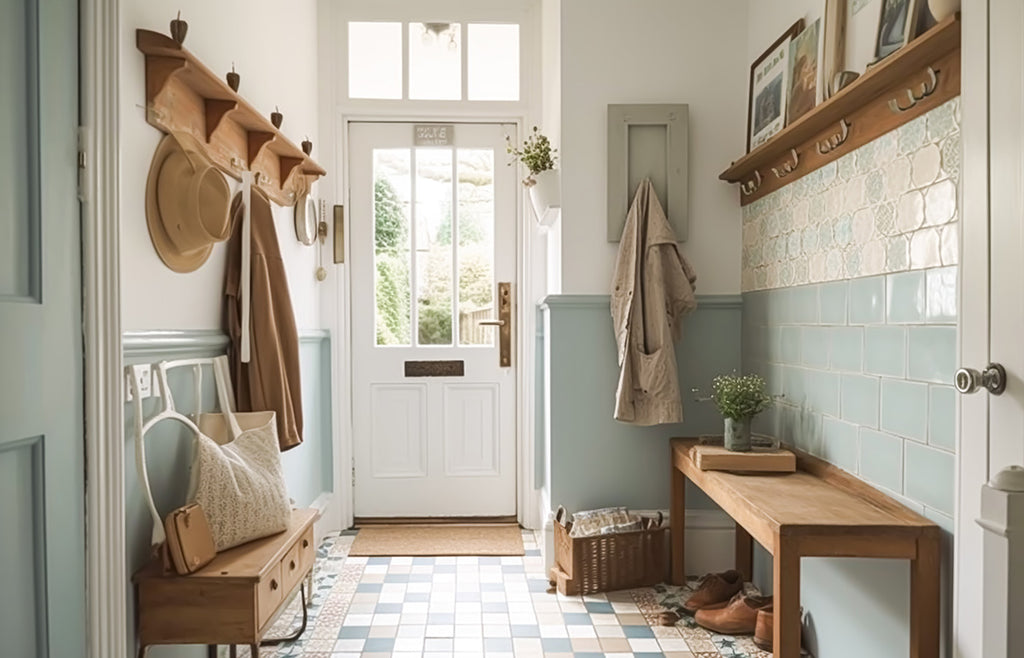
(435, 368)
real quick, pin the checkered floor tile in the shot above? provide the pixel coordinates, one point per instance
(481, 607)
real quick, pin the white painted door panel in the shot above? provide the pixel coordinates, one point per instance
(991, 433)
(433, 232)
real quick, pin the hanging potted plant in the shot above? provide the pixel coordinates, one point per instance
(542, 180)
(739, 398)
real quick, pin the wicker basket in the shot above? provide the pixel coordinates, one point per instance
(602, 563)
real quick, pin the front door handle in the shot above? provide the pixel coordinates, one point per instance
(504, 324)
(969, 380)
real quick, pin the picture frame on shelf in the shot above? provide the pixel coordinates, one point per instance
(768, 90)
(834, 42)
(806, 81)
(861, 34)
(897, 23)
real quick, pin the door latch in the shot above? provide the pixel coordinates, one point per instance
(969, 380)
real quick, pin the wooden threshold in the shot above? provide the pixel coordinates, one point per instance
(431, 520)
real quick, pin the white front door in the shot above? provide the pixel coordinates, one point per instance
(988, 602)
(433, 235)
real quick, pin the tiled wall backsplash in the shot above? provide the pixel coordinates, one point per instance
(889, 206)
(850, 310)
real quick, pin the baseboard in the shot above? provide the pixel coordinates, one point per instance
(710, 539)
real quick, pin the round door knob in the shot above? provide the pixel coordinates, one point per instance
(273, 585)
(969, 380)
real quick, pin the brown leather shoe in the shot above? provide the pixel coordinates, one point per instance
(714, 588)
(737, 618)
(763, 628)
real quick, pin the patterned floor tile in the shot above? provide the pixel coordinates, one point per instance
(482, 607)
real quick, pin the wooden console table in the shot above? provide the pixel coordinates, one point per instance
(819, 511)
(234, 598)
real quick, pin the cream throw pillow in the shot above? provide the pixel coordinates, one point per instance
(240, 483)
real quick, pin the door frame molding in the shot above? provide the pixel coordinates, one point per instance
(106, 580)
(528, 501)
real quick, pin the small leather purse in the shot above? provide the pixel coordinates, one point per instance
(189, 545)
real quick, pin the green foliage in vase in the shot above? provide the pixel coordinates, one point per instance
(536, 153)
(740, 396)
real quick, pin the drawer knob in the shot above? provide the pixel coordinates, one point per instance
(305, 543)
(273, 585)
(291, 565)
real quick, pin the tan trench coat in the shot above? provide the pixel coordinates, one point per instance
(271, 380)
(653, 288)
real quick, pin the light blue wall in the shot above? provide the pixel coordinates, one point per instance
(850, 311)
(169, 444)
(594, 460)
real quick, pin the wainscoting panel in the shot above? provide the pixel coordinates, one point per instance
(307, 467)
(594, 460)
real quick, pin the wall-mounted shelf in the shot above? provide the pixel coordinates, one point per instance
(917, 78)
(183, 95)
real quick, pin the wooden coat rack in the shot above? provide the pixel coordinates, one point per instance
(183, 95)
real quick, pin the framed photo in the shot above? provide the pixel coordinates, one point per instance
(896, 25)
(806, 83)
(861, 33)
(769, 89)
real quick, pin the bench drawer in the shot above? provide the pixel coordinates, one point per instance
(268, 594)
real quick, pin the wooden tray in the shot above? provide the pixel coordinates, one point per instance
(761, 460)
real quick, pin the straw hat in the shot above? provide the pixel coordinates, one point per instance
(187, 203)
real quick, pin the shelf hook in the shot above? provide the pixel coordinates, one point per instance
(835, 141)
(751, 185)
(788, 167)
(928, 88)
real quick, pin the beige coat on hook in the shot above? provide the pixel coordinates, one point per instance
(652, 290)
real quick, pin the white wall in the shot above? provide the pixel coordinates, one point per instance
(273, 48)
(652, 51)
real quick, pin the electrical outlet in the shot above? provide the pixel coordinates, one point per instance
(143, 375)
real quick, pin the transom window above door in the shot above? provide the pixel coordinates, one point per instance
(433, 61)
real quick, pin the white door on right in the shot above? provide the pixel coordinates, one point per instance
(988, 606)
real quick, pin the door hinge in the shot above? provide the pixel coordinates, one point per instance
(83, 140)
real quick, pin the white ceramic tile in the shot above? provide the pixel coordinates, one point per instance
(940, 203)
(897, 177)
(924, 249)
(926, 163)
(910, 212)
(949, 246)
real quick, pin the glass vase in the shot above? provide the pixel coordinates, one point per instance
(737, 434)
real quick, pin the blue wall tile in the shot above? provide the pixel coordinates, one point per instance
(839, 443)
(942, 417)
(815, 346)
(905, 408)
(832, 302)
(860, 400)
(847, 349)
(790, 345)
(905, 301)
(932, 354)
(867, 300)
(885, 351)
(941, 290)
(930, 477)
(881, 459)
(803, 303)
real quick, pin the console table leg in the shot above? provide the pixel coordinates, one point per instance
(677, 513)
(786, 630)
(254, 650)
(233, 651)
(925, 599)
(744, 553)
(211, 651)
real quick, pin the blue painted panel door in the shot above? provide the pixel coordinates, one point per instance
(42, 482)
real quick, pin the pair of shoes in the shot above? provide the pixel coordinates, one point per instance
(763, 630)
(738, 617)
(714, 589)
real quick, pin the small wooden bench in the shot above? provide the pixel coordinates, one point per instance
(232, 600)
(819, 511)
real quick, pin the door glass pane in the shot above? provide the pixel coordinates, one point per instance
(435, 61)
(493, 62)
(18, 219)
(476, 245)
(374, 60)
(392, 246)
(434, 246)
